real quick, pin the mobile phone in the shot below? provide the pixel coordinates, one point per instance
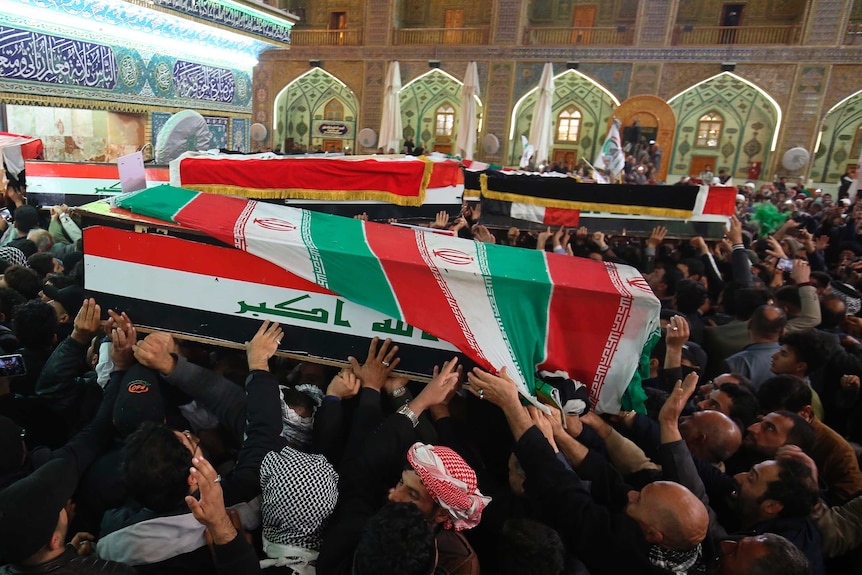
(12, 365)
(785, 265)
(6, 214)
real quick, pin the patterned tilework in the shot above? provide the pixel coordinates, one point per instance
(840, 129)
(844, 81)
(657, 17)
(614, 77)
(801, 121)
(159, 119)
(497, 105)
(371, 107)
(239, 136)
(645, 79)
(825, 25)
(508, 22)
(378, 22)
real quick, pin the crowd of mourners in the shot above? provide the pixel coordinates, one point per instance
(128, 452)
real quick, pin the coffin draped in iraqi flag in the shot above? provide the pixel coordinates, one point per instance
(525, 310)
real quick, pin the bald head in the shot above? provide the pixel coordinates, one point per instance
(669, 514)
(767, 323)
(710, 435)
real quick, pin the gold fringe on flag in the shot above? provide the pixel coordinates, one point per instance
(583, 206)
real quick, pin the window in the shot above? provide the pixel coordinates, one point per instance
(444, 120)
(333, 110)
(709, 130)
(568, 125)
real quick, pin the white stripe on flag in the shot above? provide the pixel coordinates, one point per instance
(528, 212)
(458, 272)
(280, 238)
(636, 319)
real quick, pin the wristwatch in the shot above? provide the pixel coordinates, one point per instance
(407, 412)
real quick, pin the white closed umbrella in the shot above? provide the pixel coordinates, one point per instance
(467, 126)
(540, 129)
(390, 126)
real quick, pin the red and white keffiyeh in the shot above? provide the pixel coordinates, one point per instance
(450, 482)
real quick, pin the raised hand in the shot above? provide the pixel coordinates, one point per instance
(344, 385)
(440, 388)
(209, 510)
(154, 351)
(263, 346)
(88, 322)
(381, 361)
(656, 237)
(441, 221)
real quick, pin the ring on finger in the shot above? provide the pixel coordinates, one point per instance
(386, 363)
(481, 394)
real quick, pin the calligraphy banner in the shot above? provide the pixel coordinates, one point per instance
(26, 55)
(193, 80)
(233, 17)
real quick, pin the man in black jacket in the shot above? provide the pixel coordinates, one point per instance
(656, 530)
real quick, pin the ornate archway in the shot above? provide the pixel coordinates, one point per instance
(307, 111)
(651, 112)
(840, 140)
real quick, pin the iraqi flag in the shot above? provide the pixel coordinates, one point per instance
(612, 159)
(525, 310)
(532, 213)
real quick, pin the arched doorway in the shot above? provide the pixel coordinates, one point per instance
(315, 113)
(656, 120)
(577, 99)
(727, 122)
(840, 140)
(431, 110)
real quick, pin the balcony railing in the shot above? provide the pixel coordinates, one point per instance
(700, 35)
(617, 35)
(474, 35)
(854, 33)
(326, 37)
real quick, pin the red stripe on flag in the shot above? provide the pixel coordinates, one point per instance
(89, 171)
(721, 201)
(562, 217)
(403, 265)
(576, 314)
(312, 175)
(447, 173)
(192, 257)
(214, 214)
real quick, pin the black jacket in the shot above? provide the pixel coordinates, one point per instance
(69, 563)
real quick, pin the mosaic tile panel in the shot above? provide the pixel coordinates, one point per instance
(825, 21)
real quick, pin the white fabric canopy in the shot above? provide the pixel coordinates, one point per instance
(540, 129)
(467, 125)
(10, 152)
(390, 125)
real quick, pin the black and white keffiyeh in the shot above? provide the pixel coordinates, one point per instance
(299, 491)
(678, 562)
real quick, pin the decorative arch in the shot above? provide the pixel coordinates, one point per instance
(420, 100)
(749, 133)
(839, 141)
(303, 109)
(595, 103)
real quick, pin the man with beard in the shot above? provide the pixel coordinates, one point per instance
(774, 496)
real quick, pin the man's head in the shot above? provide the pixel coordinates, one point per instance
(776, 429)
(669, 515)
(156, 462)
(764, 554)
(441, 484)
(801, 353)
(767, 323)
(690, 296)
(691, 268)
(21, 279)
(527, 546)
(67, 302)
(775, 488)
(710, 435)
(42, 238)
(34, 520)
(397, 541)
(786, 392)
(26, 218)
(35, 324)
(732, 398)
(833, 310)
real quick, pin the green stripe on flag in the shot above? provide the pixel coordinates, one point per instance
(350, 267)
(521, 307)
(161, 202)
